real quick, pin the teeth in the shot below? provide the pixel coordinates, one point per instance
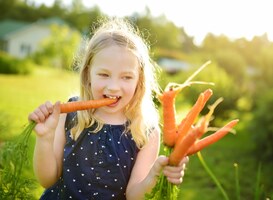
(111, 97)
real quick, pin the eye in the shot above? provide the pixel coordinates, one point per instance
(127, 77)
(103, 75)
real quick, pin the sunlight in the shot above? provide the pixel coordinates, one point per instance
(233, 18)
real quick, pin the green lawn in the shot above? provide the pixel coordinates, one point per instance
(21, 94)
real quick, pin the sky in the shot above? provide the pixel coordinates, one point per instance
(233, 18)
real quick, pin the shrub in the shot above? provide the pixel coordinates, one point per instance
(261, 126)
(11, 65)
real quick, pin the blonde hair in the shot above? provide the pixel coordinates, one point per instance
(141, 111)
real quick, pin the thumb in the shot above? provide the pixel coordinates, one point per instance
(160, 162)
(57, 109)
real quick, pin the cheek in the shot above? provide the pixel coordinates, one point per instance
(96, 87)
(131, 90)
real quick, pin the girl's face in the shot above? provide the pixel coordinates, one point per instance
(114, 73)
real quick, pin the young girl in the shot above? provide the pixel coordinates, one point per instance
(109, 152)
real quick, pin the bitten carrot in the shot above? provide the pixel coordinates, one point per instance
(169, 122)
(181, 147)
(202, 143)
(84, 105)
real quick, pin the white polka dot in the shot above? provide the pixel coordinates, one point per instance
(68, 170)
(91, 142)
(81, 148)
(86, 158)
(74, 180)
(80, 191)
(82, 174)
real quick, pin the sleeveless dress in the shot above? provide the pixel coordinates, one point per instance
(96, 165)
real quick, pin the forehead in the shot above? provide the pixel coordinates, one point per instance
(115, 57)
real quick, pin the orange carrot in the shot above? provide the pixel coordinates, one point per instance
(203, 123)
(182, 147)
(169, 122)
(187, 122)
(84, 105)
(200, 144)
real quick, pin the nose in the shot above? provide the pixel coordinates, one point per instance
(113, 85)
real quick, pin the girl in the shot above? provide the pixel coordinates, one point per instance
(110, 152)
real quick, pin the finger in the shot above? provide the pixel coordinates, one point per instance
(174, 169)
(40, 115)
(49, 106)
(175, 180)
(174, 174)
(33, 117)
(43, 108)
(185, 160)
(56, 108)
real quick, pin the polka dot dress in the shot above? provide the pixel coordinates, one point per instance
(96, 165)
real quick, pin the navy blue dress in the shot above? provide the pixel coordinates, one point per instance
(96, 165)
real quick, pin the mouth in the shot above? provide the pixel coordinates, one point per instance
(112, 97)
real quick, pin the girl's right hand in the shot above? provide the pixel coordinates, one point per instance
(47, 117)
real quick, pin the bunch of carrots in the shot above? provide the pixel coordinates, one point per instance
(184, 139)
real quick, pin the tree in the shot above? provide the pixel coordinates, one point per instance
(59, 48)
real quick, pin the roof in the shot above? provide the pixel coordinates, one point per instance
(8, 26)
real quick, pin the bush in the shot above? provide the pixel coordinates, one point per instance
(261, 126)
(11, 65)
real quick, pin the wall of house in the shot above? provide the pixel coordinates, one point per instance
(27, 40)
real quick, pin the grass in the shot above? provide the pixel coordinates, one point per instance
(21, 94)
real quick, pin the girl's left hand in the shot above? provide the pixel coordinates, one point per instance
(175, 174)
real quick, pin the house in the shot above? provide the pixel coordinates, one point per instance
(21, 39)
(173, 66)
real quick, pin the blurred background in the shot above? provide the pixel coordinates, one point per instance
(41, 44)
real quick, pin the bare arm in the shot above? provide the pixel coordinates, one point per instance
(50, 140)
(141, 181)
(148, 167)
